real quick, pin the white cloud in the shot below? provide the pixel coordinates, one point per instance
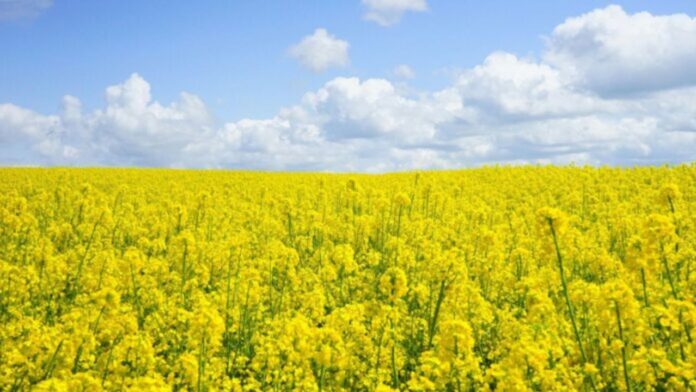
(507, 109)
(22, 9)
(131, 130)
(370, 125)
(403, 71)
(320, 51)
(138, 130)
(510, 87)
(389, 12)
(348, 108)
(615, 53)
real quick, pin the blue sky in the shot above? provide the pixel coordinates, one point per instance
(236, 58)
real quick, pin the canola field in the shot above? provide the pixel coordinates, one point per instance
(499, 278)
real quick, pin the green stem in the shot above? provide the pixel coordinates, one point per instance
(668, 272)
(623, 347)
(571, 312)
(51, 362)
(227, 316)
(645, 290)
(183, 271)
(201, 365)
(395, 373)
(433, 323)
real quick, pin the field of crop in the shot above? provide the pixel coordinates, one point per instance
(506, 279)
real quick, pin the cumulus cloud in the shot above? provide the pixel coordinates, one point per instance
(320, 51)
(131, 129)
(614, 53)
(508, 109)
(26, 135)
(403, 71)
(140, 131)
(22, 9)
(509, 87)
(389, 12)
(348, 108)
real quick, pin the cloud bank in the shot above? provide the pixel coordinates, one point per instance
(590, 98)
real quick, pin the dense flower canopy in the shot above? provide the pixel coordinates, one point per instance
(528, 278)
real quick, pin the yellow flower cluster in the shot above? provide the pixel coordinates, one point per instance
(511, 279)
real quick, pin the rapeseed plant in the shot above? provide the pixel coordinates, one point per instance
(526, 278)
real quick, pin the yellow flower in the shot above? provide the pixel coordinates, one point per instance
(122, 279)
(670, 193)
(393, 283)
(402, 199)
(548, 216)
